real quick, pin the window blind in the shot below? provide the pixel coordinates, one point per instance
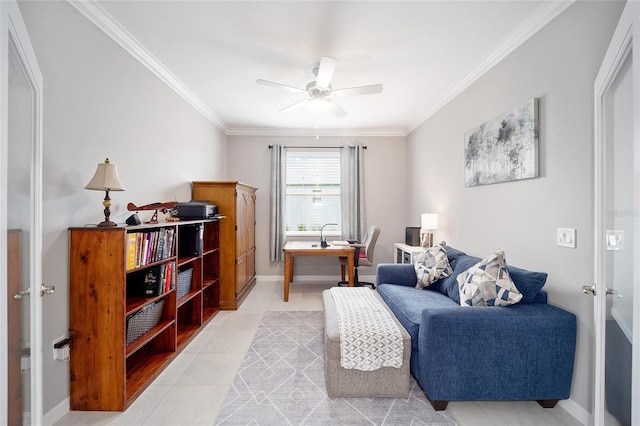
(312, 190)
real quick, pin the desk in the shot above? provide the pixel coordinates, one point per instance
(306, 248)
(405, 253)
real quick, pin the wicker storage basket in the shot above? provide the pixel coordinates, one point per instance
(184, 282)
(143, 320)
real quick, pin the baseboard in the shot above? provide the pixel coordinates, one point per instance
(311, 278)
(52, 416)
(576, 410)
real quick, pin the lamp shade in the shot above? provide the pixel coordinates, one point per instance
(429, 221)
(105, 178)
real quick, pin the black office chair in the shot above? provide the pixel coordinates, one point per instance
(362, 257)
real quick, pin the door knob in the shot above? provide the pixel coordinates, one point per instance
(589, 289)
(22, 293)
(47, 289)
(613, 292)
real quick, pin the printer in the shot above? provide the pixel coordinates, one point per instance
(196, 210)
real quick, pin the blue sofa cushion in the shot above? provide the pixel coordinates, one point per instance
(407, 304)
(529, 283)
(460, 262)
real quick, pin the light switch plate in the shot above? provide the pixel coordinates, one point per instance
(614, 239)
(566, 237)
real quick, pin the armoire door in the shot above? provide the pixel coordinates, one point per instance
(617, 227)
(241, 240)
(20, 223)
(251, 236)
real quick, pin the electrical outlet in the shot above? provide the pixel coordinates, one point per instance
(61, 348)
(566, 237)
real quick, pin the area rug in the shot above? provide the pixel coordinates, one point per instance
(281, 382)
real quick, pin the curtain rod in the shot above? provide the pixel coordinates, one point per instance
(309, 147)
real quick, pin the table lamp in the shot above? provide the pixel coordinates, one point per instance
(323, 241)
(106, 179)
(428, 222)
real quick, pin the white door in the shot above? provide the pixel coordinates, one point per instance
(20, 223)
(617, 227)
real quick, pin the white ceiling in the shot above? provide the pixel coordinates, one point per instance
(423, 52)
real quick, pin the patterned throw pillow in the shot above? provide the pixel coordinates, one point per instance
(487, 283)
(432, 265)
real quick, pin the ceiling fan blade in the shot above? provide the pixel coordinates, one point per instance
(295, 106)
(325, 71)
(280, 86)
(361, 90)
(337, 110)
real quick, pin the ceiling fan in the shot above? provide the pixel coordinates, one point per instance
(319, 93)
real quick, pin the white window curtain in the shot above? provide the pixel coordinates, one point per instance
(352, 187)
(277, 230)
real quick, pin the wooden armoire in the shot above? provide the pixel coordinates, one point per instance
(237, 202)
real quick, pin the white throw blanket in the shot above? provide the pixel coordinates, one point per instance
(369, 337)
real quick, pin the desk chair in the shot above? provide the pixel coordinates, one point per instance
(362, 257)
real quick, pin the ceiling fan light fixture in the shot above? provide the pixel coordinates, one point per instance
(320, 93)
(320, 104)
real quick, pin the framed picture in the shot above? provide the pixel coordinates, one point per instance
(503, 149)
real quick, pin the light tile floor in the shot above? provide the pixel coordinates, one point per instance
(193, 387)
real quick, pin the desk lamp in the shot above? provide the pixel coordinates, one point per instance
(106, 179)
(428, 222)
(323, 241)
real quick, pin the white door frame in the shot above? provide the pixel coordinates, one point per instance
(12, 26)
(625, 41)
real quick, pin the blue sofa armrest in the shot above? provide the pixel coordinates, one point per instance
(520, 352)
(396, 273)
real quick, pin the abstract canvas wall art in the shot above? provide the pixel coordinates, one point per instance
(503, 149)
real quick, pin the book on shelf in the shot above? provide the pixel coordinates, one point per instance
(151, 281)
(138, 248)
(168, 277)
(145, 247)
(131, 251)
(170, 243)
(160, 282)
(152, 243)
(160, 246)
(148, 247)
(144, 283)
(152, 277)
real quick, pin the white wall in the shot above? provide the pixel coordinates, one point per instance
(557, 65)
(249, 161)
(100, 102)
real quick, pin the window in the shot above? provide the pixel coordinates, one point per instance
(312, 191)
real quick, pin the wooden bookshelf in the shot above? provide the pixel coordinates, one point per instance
(107, 291)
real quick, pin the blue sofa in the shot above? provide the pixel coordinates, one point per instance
(470, 353)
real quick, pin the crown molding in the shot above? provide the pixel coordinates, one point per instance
(91, 10)
(539, 20)
(317, 133)
(105, 22)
